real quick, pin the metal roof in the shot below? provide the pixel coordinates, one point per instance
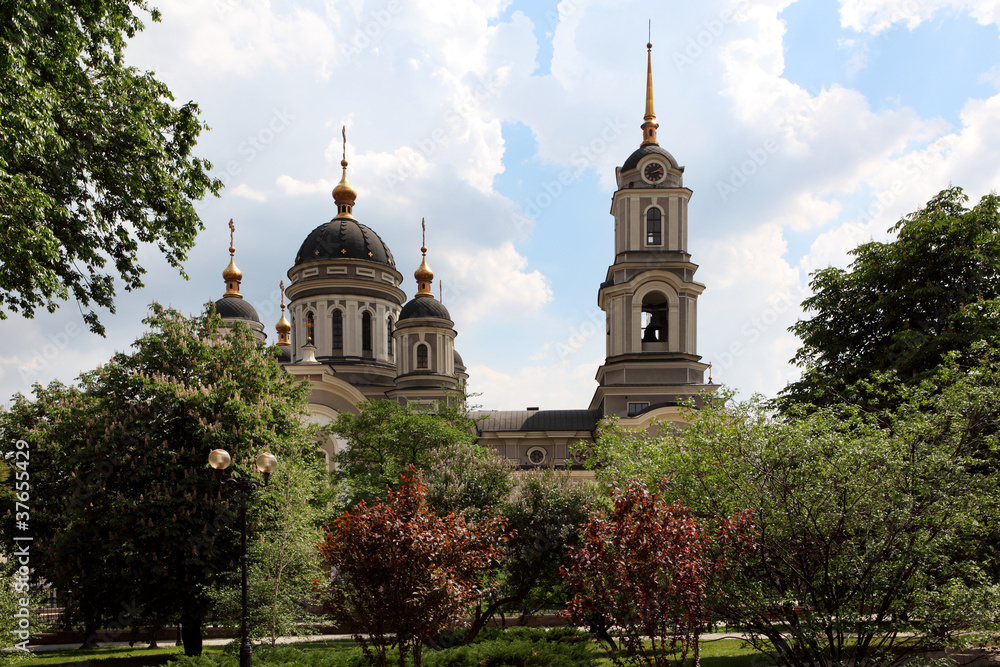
(538, 420)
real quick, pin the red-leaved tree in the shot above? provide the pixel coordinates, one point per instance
(648, 570)
(402, 574)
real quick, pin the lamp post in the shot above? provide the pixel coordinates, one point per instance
(266, 463)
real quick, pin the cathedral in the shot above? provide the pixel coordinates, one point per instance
(354, 336)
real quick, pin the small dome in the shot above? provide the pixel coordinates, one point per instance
(424, 306)
(649, 149)
(283, 326)
(423, 272)
(232, 272)
(344, 238)
(344, 193)
(237, 308)
(458, 360)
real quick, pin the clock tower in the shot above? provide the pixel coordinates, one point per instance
(650, 296)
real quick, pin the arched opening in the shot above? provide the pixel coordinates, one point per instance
(388, 335)
(654, 227)
(654, 319)
(366, 332)
(337, 328)
(310, 328)
(421, 356)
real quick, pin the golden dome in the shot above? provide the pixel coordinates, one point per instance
(232, 275)
(423, 274)
(344, 194)
(283, 327)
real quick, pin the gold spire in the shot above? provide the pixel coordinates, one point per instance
(232, 275)
(649, 124)
(423, 274)
(344, 193)
(283, 327)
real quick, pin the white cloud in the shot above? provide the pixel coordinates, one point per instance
(494, 283)
(875, 16)
(245, 191)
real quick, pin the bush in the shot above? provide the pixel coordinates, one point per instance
(514, 647)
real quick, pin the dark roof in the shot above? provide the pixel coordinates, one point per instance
(283, 356)
(424, 306)
(539, 420)
(458, 360)
(344, 238)
(649, 149)
(233, 307)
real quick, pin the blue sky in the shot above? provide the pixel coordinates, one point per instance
(805, 128)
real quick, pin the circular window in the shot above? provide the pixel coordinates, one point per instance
(536, 455)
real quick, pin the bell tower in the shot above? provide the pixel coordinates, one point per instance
(650, 296)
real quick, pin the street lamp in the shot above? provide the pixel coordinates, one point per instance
(266, 463)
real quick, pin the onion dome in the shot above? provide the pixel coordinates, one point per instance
(232, 275)
(423, 274)
(344, 237)
(424, 304)
(283, 327)
(232, 305)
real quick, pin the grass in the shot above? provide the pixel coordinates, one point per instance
(723, 653)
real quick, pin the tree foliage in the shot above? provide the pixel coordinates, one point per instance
(873, 528)
(94, 157)
(130, 523)
(903, 305)
(648, 569)
(402, 573)
(388, 437)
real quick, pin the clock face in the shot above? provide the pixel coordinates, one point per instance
(653, 172)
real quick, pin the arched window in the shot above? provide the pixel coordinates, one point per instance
(654, 227)
(388, 338)
(654, 318)
(366, 332)
(421, 356)
(310, 328)
(337, 327)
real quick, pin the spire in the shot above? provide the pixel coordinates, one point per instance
(344, 193)
(423, 274)
(232, 275)
(649, 124)
(283, 327)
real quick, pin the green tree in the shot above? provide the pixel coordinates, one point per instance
(386, 437)
(903, 305)
(94, 157)
(871, 526)
(284, 561)
(129, 520)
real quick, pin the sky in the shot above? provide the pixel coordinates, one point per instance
(806, 127)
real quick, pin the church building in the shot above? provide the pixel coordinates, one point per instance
(353, 335)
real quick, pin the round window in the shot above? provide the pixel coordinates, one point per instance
(536, 456)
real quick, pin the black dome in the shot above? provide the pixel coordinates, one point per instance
(458, 360)
(648, 149)
(344, 238)
(424, 306)
(233, 307)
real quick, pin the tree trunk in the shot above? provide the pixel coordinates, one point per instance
(191, 632)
